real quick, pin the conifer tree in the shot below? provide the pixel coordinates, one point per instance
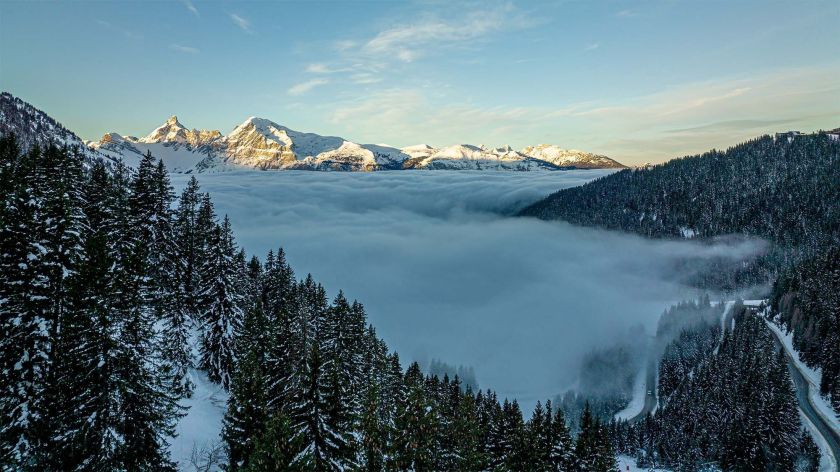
(85, 432)
(415, 427)
(148, 407)
(539, 436)
(280, 299)
(23, 313)
(373, 447)
(561, 446)
(586, 447)
(517, 451)
(168, 270)
(276, 449)
(189, 244)
(222, 301)
(466, 435)
(309, 414)
(246, 415)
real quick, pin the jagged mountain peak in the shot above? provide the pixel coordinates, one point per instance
(111, 138)
(172, 131)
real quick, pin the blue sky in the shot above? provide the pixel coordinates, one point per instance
(639, 81)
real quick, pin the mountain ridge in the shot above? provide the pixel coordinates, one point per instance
(263, 144)
(260, 143)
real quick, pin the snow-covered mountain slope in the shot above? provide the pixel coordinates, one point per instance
(467, 156)
(570, 157)
(178, 156)
(264, 144)
(32, 126)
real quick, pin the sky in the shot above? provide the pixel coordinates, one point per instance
(443, 273)
(637, 81)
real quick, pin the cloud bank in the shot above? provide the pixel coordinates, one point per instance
(445, 275)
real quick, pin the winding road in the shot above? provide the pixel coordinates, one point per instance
(824, 427)
(650, 391)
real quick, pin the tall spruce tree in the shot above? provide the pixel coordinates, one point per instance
(222, 301)
(24, 315)
(247, 412)
(415, 426)
(189, 243)
(168, 269)
(148, 406)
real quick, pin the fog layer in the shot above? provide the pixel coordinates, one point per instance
(444, 274)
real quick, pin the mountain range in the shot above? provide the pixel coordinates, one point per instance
(263, 144)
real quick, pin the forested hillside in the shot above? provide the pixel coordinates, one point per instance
(786, 191)
(112, 291)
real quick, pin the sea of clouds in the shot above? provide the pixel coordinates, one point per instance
(445, 272)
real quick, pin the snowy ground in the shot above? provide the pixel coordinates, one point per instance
(444, 275)
(199, 430)
(626, 464)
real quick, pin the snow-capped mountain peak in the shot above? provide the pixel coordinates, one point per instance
(172, 131)
(258, 142)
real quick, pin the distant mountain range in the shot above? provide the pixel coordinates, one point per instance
(262, 144)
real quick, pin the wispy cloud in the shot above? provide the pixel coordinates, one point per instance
(626, 14)
(241, 22)
(365, 78)
(410, 41)
(190, 6)
(318, 68)
(344, 44)
(378, 57)
(184, 49)
(116, 29)
(321, 68)
(592, 46)
(304, 87)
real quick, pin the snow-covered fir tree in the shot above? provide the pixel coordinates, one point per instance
(222, 302)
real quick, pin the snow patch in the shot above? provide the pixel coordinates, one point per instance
(628, 464)
(201, 427)
(687, 232)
